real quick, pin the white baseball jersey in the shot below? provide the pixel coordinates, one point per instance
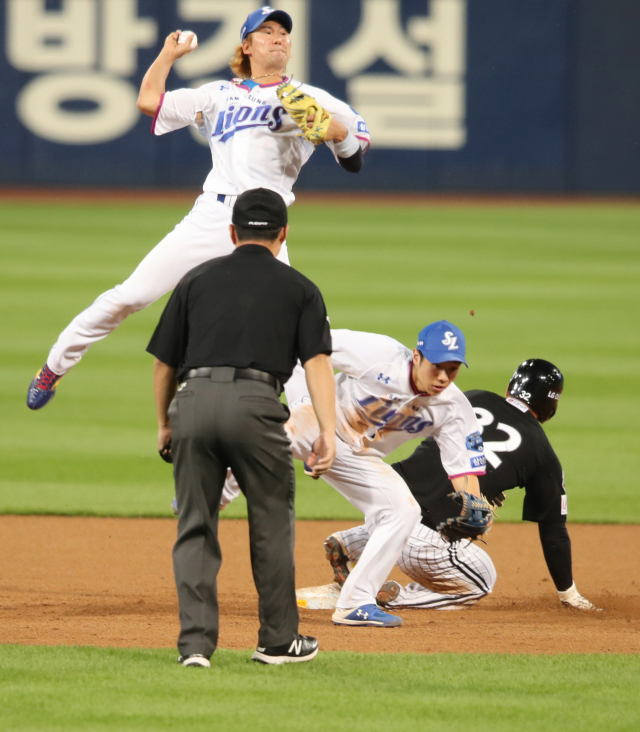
(254, 143)
(378, 407)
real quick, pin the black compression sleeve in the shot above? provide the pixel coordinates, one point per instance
(354, 163)
(556, 546)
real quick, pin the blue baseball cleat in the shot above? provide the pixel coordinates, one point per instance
(42, 389)
(366, 615)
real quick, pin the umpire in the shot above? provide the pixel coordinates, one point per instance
(230, 335)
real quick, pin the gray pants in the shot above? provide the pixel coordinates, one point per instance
(216, 423)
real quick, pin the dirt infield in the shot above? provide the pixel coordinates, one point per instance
(109, 582)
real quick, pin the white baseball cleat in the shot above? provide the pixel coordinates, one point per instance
(572, 598)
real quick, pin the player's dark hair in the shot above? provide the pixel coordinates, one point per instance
(248, 233)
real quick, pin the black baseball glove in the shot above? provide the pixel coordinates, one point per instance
(475, 519)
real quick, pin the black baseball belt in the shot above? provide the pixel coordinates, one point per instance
(251, 374)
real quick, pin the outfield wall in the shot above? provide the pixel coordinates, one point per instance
(460, 95)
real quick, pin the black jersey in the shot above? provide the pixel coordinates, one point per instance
(518, 455)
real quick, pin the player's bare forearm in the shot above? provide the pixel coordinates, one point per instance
(322, 390)
(467, 484)
(164, 389)
(154, 82)
(337, 131)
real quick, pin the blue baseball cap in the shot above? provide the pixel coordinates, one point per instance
(442, 341)
(261, 15)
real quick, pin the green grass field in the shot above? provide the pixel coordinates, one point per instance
(558, 282)
(92, 689)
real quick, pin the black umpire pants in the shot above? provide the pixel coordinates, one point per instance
(218, 422)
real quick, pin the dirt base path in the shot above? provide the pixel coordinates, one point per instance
(109, 582)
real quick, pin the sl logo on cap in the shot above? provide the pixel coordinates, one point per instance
(450, 341)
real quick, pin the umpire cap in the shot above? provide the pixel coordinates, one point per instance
(259, 208)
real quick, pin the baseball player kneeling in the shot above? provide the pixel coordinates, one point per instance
(387, 394)
(450, 574)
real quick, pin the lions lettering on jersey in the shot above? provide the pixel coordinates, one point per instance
(237, 118)
(383, 414)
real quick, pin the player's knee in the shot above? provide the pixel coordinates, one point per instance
(488, 571)
(404, 519)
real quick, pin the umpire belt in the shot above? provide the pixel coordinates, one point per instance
(251, 374)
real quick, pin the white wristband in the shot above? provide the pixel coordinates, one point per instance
(348, 147)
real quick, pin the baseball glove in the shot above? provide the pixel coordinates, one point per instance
(300, 106)
(475, 519)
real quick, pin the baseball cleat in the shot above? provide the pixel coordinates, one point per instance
(42, 388)
(338, 559)
(197, 660)
(366, 615)
(302, 648)
(388, 592)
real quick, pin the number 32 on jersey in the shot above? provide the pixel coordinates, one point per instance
(513, 441)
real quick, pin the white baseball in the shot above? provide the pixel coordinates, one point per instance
(182, 38)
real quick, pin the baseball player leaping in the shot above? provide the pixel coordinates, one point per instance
(454, 575)
(261, 127)
(386, 394)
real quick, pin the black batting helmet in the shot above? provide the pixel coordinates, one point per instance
(539, 384)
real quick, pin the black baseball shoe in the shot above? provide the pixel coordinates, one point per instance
(197, 660)
(302, 648)
(337, 558)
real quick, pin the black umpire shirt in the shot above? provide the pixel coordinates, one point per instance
(518, 455)
(242, 310)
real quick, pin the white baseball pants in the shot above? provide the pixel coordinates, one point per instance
(446, 574)
(370, 485)
(203, 234)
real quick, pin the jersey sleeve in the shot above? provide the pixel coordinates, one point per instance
(355, 353)
(314, 332)
(178, 109)
(460, 441)
(545, 498)
(169, 340)
(345, 114)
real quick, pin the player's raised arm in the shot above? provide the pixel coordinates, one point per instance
(154, 81)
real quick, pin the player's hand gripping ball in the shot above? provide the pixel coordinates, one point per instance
(182, 38)
(475, 519)
(300, 106)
